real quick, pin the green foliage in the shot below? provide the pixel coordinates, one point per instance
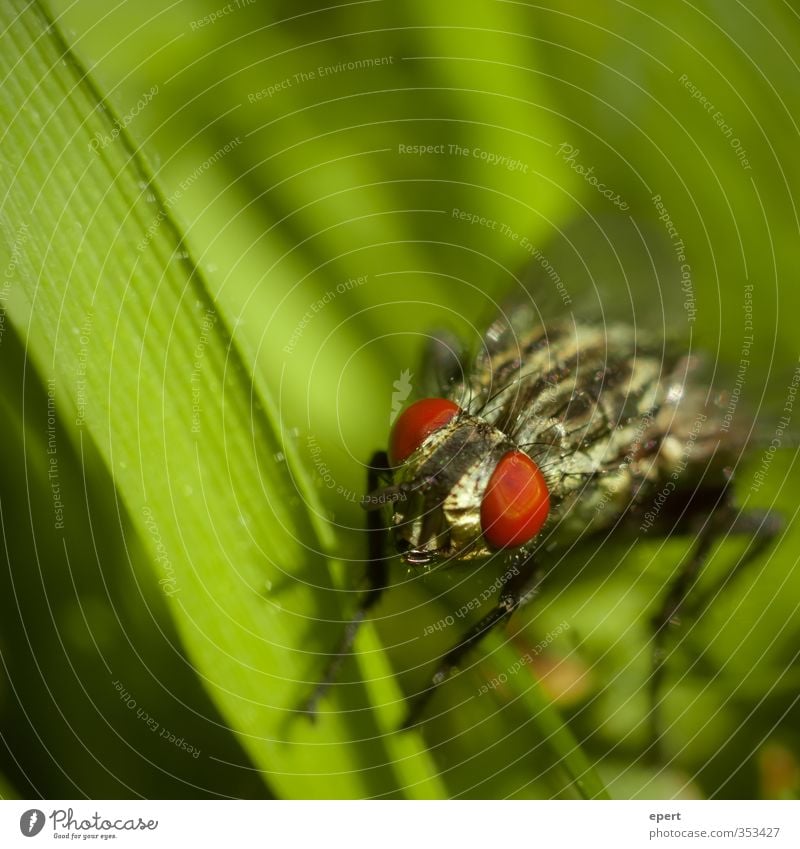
(225, 249)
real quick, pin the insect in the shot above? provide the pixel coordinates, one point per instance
(555, 432)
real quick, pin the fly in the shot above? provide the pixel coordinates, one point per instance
(556, 432)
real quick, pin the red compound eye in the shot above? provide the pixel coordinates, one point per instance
(416, 423)
(516, 502)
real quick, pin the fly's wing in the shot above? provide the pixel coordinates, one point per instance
(627, 282)
(612, 270)
(443, 365)
(609, 273)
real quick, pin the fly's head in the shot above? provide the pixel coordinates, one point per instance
(461, 489)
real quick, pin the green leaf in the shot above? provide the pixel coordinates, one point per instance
(112, 309)
(283, 197)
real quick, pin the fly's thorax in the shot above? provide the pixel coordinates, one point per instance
(443, 483)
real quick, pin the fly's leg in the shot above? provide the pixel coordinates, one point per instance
(667, 615)
(518, 588)
(377, 575)
(762, 528)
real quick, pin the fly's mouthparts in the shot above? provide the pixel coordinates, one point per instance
(387, 495)
(431, 528)
(395, 492)
(419, 558)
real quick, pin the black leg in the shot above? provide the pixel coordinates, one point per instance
(518, 589)
(377, 575)
(761, 527)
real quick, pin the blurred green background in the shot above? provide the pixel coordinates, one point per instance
(282, 145)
